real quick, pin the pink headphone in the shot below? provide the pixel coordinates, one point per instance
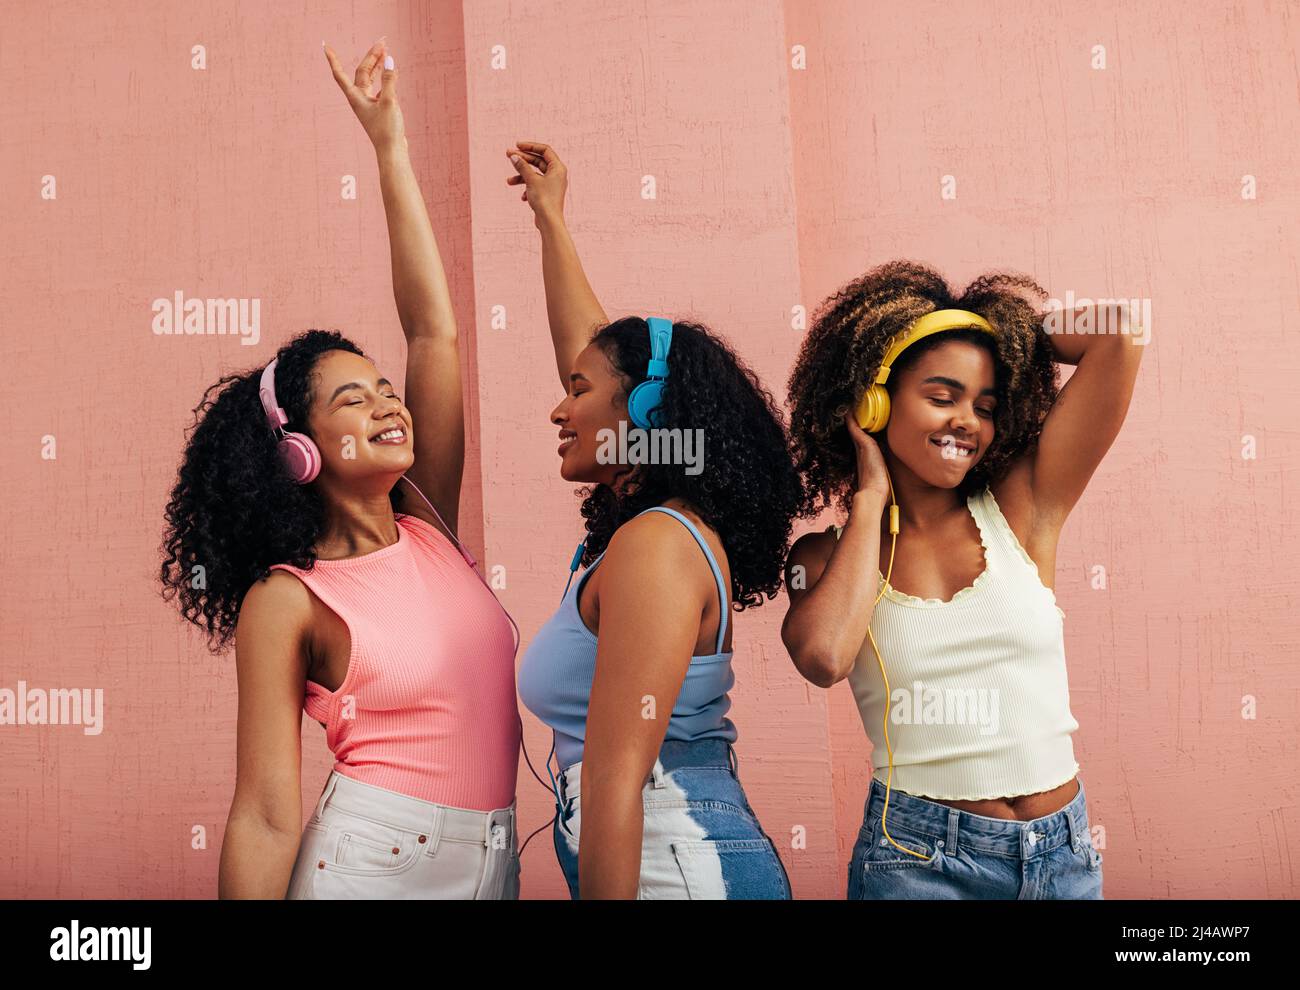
(301, 457)
(299, 454)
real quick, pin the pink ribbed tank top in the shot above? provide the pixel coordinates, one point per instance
(428, 706)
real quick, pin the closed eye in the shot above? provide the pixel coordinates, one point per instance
(354, 402)
(948, 402)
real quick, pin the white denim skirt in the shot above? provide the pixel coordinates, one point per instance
(368, 842)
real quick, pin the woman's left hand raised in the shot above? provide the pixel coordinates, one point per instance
(379, 114)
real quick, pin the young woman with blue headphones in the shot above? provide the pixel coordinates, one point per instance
(291, 533)
(632, 672)
(933, 420)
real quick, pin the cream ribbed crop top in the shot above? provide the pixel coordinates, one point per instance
(980, 701)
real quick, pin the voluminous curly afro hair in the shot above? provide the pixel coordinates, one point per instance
(748, 491)
(234, 510)
(846, 345)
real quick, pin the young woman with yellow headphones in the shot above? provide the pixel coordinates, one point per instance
(933, 420)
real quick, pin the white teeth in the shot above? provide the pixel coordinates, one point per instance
(960, 451)
(388, 435)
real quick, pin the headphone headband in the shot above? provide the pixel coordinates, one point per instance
(930, 323)
(873, 407)
(266, 392)
(661, 342)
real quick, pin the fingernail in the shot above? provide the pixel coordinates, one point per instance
(515, 159)
(388, 62)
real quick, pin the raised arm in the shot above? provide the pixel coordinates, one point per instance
(1090, 409)
(571, 307)
(433, 388)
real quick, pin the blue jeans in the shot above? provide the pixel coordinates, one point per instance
(972, 857)
(700, 839)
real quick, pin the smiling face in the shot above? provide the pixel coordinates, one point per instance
(596, 401)
(941, 412)
(358, 422)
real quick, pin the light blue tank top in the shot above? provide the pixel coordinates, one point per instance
(560, 663)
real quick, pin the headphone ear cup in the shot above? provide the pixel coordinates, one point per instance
(643, 403)
(300, 457)
(873, 410)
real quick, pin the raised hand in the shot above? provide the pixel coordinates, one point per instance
(379, 113)
(544, 178)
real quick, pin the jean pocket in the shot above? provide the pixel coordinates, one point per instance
(881, 854)
(367, 847)
(750, 867)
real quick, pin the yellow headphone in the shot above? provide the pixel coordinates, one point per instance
(872, 415)
(873, 409)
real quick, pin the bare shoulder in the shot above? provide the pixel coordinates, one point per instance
(655, 546)
(815, 547)
(653, 537)
(808, 558)
(279, 592)
(274, 615)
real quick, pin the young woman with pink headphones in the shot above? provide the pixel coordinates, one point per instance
(348, 599)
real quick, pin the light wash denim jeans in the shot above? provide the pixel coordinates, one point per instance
(700, 839)
(972, 857)
(368, 842)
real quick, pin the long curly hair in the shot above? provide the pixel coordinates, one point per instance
(748, 491)
(234, 511)
(844, 349)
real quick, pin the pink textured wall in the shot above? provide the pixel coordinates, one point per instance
(781, 172)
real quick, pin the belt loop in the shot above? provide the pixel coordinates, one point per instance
(658, 773)
(1076, 831)
(330, 783)
(953, 816)
(733, 760)
(435, 831)
(492, 835)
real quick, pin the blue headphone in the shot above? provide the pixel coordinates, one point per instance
(643, 403)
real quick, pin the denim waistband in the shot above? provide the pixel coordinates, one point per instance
(414, 814)
(1004, 837)
(673, 754)
(676, 753)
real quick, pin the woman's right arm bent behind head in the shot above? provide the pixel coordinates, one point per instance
(264, 827)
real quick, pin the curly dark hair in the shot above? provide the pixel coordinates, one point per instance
(749, 491)
(847, 342)
(234, 511)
